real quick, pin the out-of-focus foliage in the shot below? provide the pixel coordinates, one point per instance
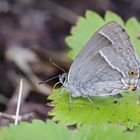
(39, 130)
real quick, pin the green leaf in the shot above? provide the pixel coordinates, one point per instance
(126, 111)
(38, 130)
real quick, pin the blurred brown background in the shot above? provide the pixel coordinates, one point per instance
(32, 32)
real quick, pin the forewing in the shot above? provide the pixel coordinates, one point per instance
(85, 57)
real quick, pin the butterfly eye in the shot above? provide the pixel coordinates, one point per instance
(132, 73)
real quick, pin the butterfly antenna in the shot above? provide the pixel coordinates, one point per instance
(42, 82)
(56, 65)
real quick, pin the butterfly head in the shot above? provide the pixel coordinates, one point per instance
(63, 78)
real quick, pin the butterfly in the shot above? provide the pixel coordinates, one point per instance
(107, 65)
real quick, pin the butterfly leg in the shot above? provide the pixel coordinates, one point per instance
(70, 101)
(117, 95)
(91, 101)
(62, 90)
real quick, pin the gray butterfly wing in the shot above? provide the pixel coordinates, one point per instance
(105, 81)
(121, 48)
(81, 64)
(110, 41)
